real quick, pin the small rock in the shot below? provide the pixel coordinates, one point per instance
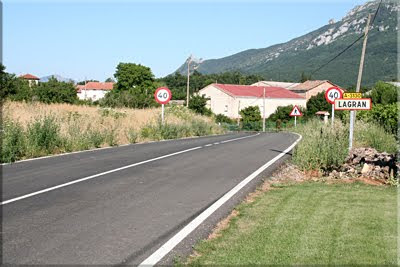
(365, 168)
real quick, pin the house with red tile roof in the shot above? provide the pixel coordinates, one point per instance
(229, 99)
(32, 79)
(312, 88)
(94, 90)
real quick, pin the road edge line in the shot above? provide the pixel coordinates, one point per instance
(108, 172)
(107, 147)
(161, 252)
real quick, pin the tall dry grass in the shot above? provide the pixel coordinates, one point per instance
(83, 127)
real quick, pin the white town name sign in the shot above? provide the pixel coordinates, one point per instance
(353, 104)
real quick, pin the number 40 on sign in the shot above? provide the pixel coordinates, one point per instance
(163, 96)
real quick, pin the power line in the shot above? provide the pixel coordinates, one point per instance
(349, 46)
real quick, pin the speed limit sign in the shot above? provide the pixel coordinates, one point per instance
(163, 95)
(333, 93)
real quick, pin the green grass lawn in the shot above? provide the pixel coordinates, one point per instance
(310, 223)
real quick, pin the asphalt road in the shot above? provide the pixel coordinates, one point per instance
(124, 215)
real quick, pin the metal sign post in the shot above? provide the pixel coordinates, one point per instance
(162, 114)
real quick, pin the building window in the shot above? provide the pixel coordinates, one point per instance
(226, 108)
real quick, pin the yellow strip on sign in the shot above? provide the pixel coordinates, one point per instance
(352, 95)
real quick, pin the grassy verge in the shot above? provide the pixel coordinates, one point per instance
(325, 148)
(310, 223)
(34, 129)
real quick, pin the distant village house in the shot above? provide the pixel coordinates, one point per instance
(94, 90)
(32, 79)
(229, 99)
(308, 89)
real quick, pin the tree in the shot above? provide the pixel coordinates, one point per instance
(130, 75)
(317, 103)
(54, 91)
(251, 118)
(83, 82)
(135, 87)
(384, 93)
(110, 80)
(198, 104)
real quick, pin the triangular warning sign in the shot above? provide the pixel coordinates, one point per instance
(295, 112)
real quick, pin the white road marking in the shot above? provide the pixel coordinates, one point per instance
(96, 175)
(101, 148)
(217, 143)
(104, 173)
(176, 239)
(208, 145)
(230, 140)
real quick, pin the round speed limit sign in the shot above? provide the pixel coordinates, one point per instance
(333, 93)
(163, 95)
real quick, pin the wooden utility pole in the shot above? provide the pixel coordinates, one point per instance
(264, 110)
(238, 118)
(360, 72)
(188, 77)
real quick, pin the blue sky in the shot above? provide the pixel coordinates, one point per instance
(78, 39)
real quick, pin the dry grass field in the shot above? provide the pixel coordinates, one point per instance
(84, 127)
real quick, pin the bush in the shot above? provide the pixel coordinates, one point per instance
(43, 136)
(251, 118)
(198, 104)
(13, 142)
(374, 135)
(384, 93)
(200, 128)
(132, 136)
(54, 91)
(221, 118)
(385, 115)
(323, 147)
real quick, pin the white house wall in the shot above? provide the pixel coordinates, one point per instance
(271, 104)
(222, 103)
(92, 94)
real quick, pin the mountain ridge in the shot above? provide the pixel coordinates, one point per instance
(286, 61)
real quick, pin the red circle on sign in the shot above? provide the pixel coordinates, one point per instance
(327, 94)
(163, 95)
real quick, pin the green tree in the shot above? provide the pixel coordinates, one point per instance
(251, 118)
(54, 91)
(384, 93)
(83, 82)
(317, 103)
(135, 87)
(110, 80)
(130, 75)
(198, 104)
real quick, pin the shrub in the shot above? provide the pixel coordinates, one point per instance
(374, 135)
(198, 104)
(200, 128)
(54, 91)
(111, 137)
(13, 142)
(385, 115)
(251, 118)
(96, 138)
(132, 136)
(221, 118)
(43, 136)
(323, 147)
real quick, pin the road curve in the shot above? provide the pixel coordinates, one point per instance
(119, 205)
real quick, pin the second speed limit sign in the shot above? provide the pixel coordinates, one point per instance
(163, 95)
(333, 93)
